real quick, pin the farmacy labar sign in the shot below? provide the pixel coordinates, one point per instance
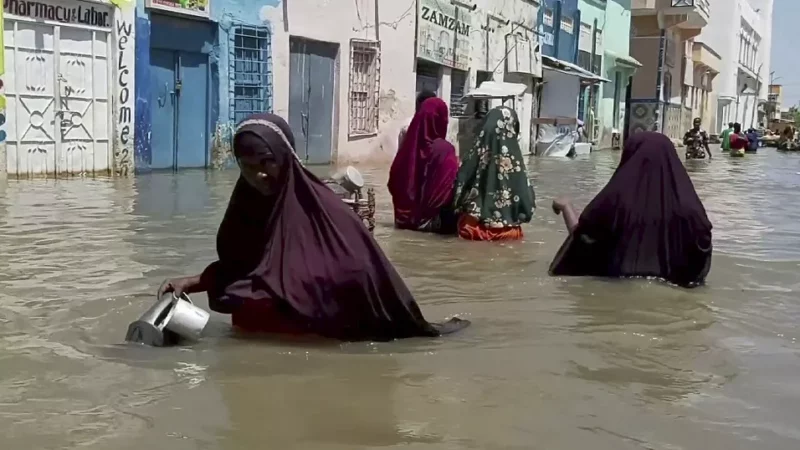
(64, 12)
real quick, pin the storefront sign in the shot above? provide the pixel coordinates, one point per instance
(443, 33)
(547, 38)
(61, 11)
(198, 8)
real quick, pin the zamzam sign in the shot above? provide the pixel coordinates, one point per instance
(444, 21)
(79, 14)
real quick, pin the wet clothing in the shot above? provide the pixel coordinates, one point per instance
(738, 143)
(305, 256)
(423, 173)
(492, 184)
(752, 142)
(471, 229)
(696, 142)
(726, 138)
(646, 222)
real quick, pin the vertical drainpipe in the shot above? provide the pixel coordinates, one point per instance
(662, 41)
(592, 60)
(556, 28)
(576, 31)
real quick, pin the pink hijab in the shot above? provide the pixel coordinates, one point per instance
(424, 169)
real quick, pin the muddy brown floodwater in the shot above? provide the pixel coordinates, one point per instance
(549, 363)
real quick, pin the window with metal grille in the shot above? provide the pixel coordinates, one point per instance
(547, 18)
(365, 60)
(567, 25)
(250, 71)
(458, 87)
(428, 76)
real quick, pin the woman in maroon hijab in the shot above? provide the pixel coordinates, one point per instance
(423, 173)
(293, 258)
(647, 222)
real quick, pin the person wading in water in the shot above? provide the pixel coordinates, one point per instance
(696, 142)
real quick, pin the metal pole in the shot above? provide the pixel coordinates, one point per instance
(755, 100)
(592, 60)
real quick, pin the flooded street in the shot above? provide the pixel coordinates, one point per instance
(549, 363)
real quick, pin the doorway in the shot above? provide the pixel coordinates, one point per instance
(179, 109)
(58, 102)
(312, 89)
(180, 92)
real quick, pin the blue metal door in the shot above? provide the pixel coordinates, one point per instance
(162, 108)
(179, 109)
(298, 95)
(311, 93)
(192, 112)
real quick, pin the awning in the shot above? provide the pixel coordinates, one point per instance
(624, 60)
(551, 63)
(497, 89)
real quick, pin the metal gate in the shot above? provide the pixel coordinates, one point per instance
(312, 66)
(57, 90)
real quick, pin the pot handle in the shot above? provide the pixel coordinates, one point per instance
(183, 296)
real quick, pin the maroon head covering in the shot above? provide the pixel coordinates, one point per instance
(424, 170)
(647, 221)
(307, 250)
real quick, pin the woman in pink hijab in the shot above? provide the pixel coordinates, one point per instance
(423, 173)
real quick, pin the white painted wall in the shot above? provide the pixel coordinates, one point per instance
(339, 21)
(722, 34)
(124, 46)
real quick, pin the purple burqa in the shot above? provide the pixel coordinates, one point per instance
(307, 250)
(647, 222)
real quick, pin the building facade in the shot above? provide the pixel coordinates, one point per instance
(68, 88)
(619, 67)
(494, 41)
(590, 57)
(344, 99)
(660, 30)
(559, 27)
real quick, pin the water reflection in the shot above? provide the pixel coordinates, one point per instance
(647, 337)
(561, 363)
(299, 401)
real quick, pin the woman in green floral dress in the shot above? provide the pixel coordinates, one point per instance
(494, 196)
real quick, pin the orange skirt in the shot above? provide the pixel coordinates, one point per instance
(471, 229)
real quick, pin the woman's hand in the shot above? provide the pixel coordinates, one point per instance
(178, 286)
(559, 204)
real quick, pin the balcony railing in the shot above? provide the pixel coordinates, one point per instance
(703, 5)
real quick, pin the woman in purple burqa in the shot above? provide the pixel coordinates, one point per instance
(647, 222)
(295, 259)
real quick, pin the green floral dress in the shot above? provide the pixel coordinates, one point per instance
(492, 184)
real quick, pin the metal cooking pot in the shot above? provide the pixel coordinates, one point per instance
(170, 320)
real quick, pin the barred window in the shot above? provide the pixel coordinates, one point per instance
(365, 60)
(250, 72)
(548, 17)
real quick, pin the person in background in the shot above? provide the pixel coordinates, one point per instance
(294, 259)
(696, 142)
(493, 195)
(421, 97)
(423, 173)
(646, 222)
(738, 141)
(752, 140)
(726, 137)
